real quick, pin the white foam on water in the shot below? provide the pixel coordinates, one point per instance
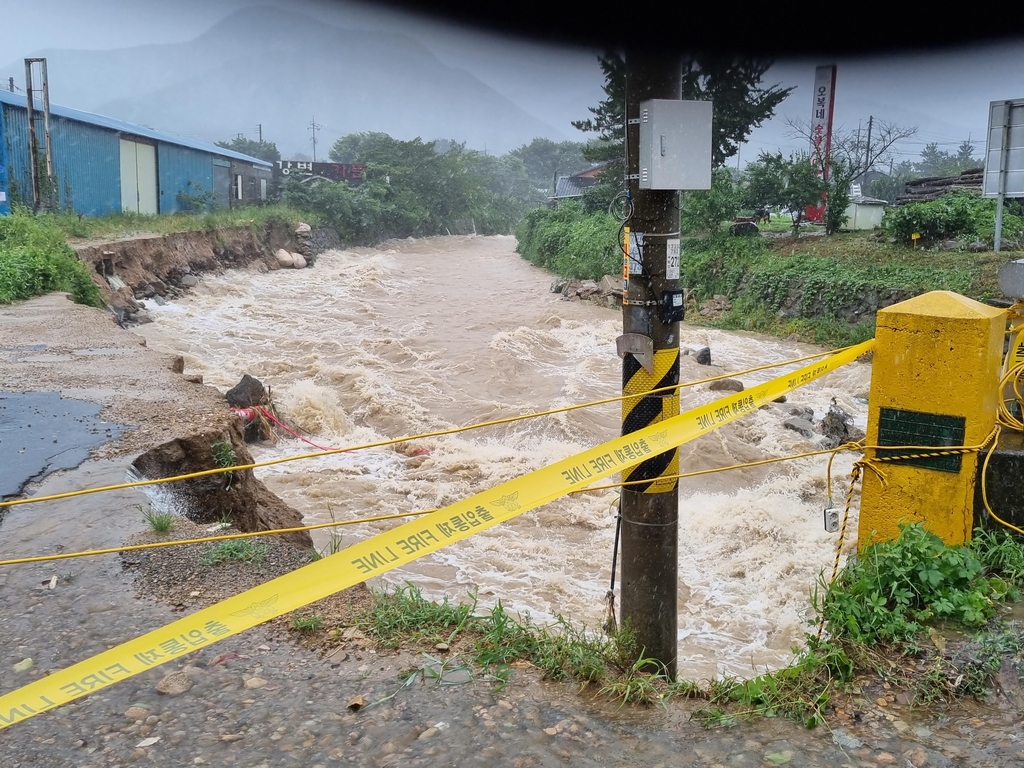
(425, 335)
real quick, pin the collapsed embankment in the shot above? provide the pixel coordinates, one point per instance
(174, 423)
(131, 270)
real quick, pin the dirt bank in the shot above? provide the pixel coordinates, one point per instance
(130, 270)
(49, 344)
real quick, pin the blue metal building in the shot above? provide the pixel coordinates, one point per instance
(102, 165)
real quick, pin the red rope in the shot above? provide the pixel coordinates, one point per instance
(290, 431)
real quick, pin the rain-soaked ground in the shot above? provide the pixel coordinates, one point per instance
(296, 710)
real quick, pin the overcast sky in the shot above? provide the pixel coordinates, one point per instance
(944, 94)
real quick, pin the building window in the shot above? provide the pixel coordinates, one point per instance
(238, 187)
(263, 189)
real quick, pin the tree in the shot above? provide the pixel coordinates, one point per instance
(704, 210)
(937, 162)
(851, 148)
(740, 104)
(546, 160)
(264, 150)
(792, 184)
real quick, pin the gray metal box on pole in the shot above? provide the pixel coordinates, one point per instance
(675, 144)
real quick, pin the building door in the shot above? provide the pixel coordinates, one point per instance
(138, 177)
(222, 184)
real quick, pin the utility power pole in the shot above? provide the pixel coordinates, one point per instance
(649, 511)
(314, 126)
(259, 130)
(10, 84)
(867, 155)
(33, 149)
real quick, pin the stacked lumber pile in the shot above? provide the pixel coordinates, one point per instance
(934, 187)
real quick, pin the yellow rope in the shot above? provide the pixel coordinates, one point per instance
(383, 443)
(844, 447)
(226, 537)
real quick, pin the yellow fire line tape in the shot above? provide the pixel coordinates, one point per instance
(396, 547)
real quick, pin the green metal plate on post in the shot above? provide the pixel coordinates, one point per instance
(898, 427)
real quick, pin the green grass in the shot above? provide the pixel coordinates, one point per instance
(875, 615)
(307, 624)
(118, 225)
(160, 522)
(35, 259)
(237, 550)
(223, 454)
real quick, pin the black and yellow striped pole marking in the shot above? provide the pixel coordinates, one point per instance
(644, 410)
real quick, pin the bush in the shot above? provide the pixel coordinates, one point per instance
(705, 210)
(35, 259)
(890, 590)
(570, 242)
(958, 215)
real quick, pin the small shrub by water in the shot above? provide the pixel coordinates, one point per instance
(890, 590)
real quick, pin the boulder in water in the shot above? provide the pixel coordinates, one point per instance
(801, 426)
(246, 393)
(298, 261)
(284, 258)
(726, 385)
(703, 356)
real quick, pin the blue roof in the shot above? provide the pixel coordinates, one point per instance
(17, 100)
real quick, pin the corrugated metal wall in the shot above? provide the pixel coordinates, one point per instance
(86, 160)
(177, 167)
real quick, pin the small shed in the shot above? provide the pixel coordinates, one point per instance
(865, 212)
(102, 165)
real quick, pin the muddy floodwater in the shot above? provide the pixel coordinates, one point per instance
(419, 336)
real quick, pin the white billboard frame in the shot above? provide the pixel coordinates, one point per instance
(1004, 157)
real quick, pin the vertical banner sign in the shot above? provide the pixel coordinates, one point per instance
(821, 125)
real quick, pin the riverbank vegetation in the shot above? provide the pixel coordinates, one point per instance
(36, 259)
(913, 618)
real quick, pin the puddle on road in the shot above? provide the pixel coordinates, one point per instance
(43, 432)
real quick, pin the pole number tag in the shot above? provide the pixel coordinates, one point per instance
(672, 260)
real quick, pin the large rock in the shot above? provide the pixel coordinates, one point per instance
(744, 229)
(726, 385)
(284, 259)
(804, 412)
(611, 285)
(303, 229)
(189, 281)
(802, 426)
(838, 428)
(246, 393)
(298, 261)
(702, 356)
(558, 285)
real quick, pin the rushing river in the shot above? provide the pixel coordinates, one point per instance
(423, 335)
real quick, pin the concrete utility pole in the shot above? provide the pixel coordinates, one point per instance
(650, 510)
(259, 130)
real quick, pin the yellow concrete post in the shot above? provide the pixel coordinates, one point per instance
(934, 381)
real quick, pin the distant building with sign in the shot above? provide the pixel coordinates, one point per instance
(306, 171)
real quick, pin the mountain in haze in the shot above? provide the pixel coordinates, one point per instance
(266, 66)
